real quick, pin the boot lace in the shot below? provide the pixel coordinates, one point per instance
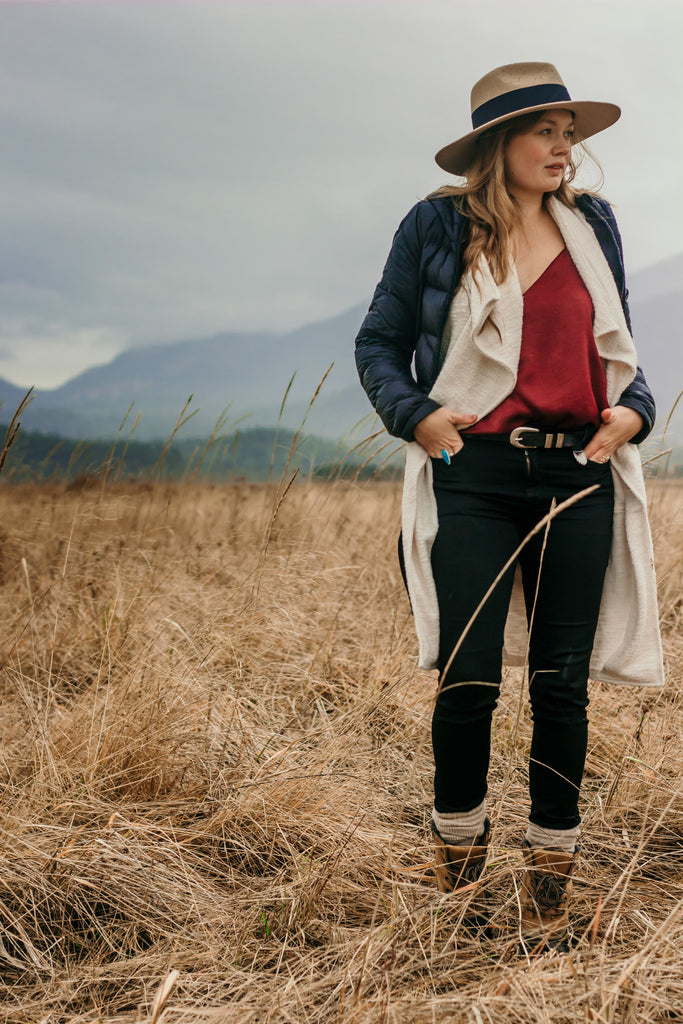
(462, 874)
(549, 890)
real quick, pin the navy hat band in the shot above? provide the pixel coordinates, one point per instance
(518, 99)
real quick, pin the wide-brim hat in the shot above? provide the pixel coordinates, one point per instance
(516, 89)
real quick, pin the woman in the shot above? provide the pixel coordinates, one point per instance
(508, 293)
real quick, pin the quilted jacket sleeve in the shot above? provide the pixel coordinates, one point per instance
(385, 344)
(637, 395)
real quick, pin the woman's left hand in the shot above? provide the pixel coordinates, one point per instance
(619, 425)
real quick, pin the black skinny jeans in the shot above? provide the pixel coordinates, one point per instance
(488, 500)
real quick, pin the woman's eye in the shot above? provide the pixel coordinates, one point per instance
(547, 131)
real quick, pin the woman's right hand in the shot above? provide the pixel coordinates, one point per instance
(439, 431)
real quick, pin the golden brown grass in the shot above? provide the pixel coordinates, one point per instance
(216, 779)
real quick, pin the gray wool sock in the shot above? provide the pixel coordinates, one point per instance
(461, 827)
(564, 839)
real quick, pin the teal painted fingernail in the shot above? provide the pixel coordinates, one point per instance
(445, 456)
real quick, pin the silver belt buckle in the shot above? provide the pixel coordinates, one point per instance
(516, 434)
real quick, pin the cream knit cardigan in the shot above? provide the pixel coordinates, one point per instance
(484, 334)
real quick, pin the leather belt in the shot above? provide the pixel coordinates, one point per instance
(534, 437)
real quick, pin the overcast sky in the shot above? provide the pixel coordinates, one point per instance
(172, 170)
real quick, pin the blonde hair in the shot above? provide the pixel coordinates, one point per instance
(484, 200)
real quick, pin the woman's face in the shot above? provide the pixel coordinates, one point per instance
(537, 158)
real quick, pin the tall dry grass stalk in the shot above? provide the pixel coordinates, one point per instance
(216, 779)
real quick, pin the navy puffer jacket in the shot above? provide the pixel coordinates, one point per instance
(409, 309)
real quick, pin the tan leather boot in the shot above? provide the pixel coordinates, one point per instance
(546, 891)
(457, 866)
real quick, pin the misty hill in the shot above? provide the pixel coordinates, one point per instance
(658, 329)
(663, 278)
(249, 373)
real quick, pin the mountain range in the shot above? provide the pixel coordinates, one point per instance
(249, 374)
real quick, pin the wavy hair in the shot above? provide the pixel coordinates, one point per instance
(484, 200)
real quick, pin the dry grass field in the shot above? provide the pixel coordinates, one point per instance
(216, 778)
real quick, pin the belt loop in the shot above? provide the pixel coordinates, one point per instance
(560, 441)
(548, 443)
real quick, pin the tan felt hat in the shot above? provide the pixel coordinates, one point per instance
(516, 89)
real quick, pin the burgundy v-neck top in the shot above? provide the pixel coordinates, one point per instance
(560, 378)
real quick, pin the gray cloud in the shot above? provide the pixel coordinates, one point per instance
(179, 169)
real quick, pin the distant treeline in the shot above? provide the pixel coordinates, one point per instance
(254, 454)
